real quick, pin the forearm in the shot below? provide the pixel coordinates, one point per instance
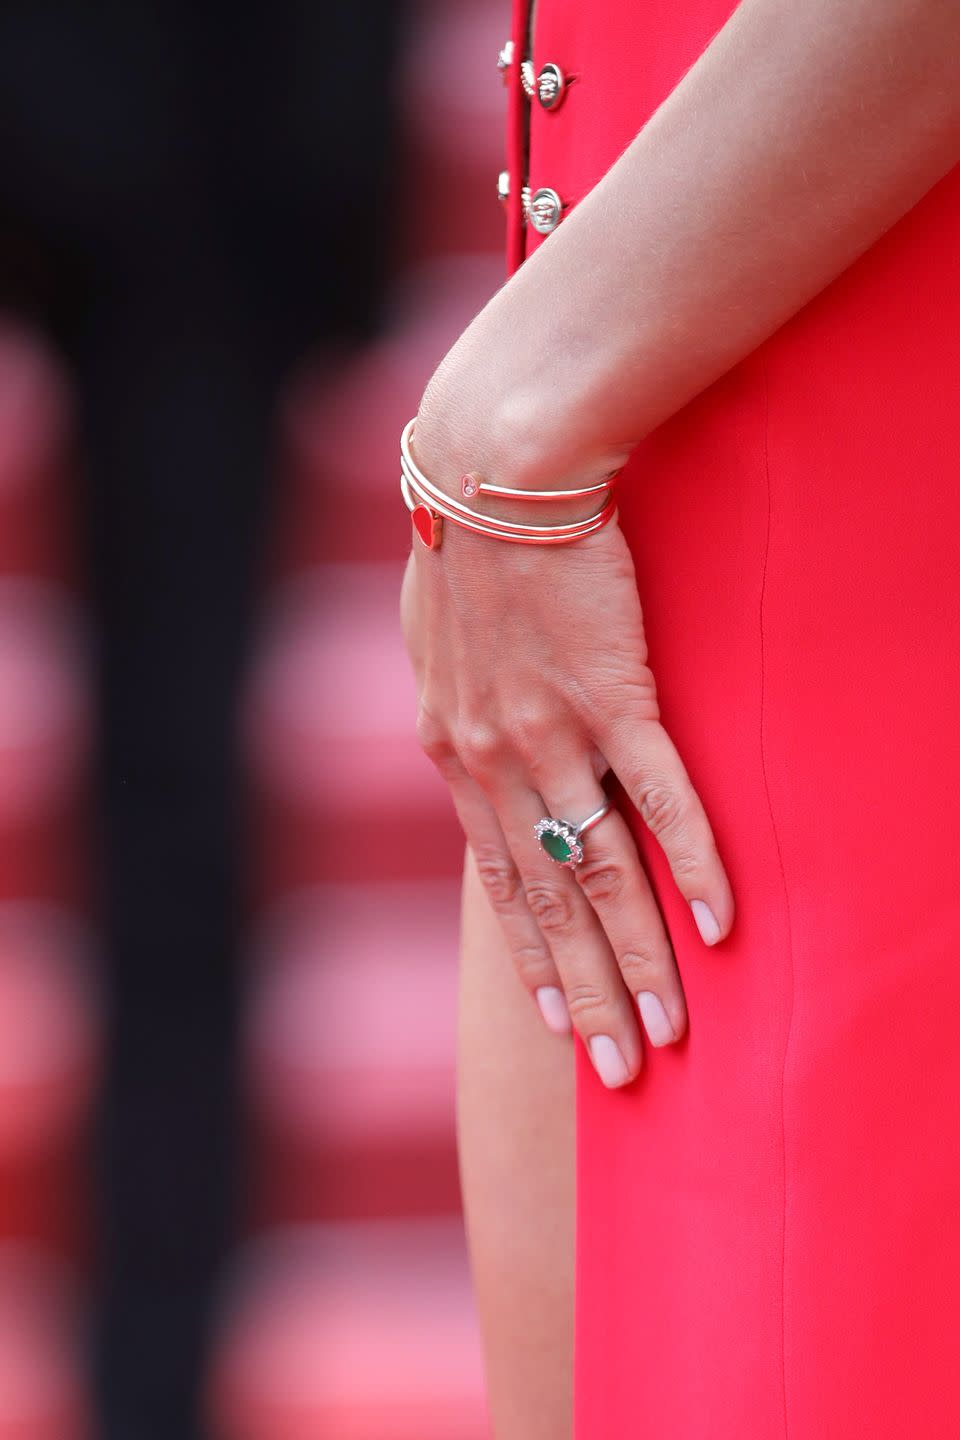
(802, 132)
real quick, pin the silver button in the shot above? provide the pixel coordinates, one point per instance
(551, 84)
(544, 210)
(548, 87)
(505, 59)
(503, 185)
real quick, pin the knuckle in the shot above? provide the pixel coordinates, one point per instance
(530, 729)
(641, 966)
(660, 807)
(685, 864)
(499, 875)
(430, 732)
(480, 747)
(550, 906)
(585, 1001)
(531, 962)
(602, 880)
(432, 736)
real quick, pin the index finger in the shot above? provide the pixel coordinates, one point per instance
(648, 766)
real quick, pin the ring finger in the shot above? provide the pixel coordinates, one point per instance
(612, 877)
(501, 881)
(596, 997)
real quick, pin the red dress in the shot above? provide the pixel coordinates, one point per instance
(768, 1219)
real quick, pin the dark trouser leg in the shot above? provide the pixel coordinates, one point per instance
(177, 458)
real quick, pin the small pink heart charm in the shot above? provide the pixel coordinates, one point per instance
(470, 485)
(427, 525)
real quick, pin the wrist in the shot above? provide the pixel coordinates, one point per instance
(431, 507)
(471, 462)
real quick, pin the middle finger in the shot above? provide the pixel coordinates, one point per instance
(612, 877)
(596, 996)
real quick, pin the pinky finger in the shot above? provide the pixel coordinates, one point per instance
(504, 890)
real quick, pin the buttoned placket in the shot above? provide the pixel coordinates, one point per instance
(544, 207)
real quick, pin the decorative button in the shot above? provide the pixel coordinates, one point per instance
(551, 85)
(505, 59)
(548, 87)
(544, 210)
(503, 186)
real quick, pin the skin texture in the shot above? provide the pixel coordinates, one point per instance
(799, 136)
(696, 244)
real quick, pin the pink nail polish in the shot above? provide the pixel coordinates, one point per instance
(607, 1060)
(706, 922)
(655, 1022)
(553, 1008)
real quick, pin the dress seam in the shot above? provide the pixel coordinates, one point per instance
(786, 897)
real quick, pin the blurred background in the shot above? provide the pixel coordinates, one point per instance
(234, 244)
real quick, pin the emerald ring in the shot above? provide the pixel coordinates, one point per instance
(560, 840)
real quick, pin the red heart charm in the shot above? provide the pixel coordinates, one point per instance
(427, 525)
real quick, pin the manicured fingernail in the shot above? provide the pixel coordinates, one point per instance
(608, 1062)
(553, 1008)
(706, 922)
(655, 1022)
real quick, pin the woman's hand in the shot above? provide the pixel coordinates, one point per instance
(533, 681)
(531, 661)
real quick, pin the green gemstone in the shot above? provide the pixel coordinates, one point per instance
(555, 846)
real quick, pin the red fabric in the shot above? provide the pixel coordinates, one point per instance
(769, 1218)
(516, 138)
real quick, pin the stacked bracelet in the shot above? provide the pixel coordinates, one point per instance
(472, 485)
(429, 506)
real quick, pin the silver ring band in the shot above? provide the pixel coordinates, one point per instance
(593, 819)
(560, 839)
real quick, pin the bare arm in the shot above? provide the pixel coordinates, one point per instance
(803, 131)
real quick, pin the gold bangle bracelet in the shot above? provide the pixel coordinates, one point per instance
(429, 504)
(428, 516)
(432, 495)
(471, 484)
(483, 487)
